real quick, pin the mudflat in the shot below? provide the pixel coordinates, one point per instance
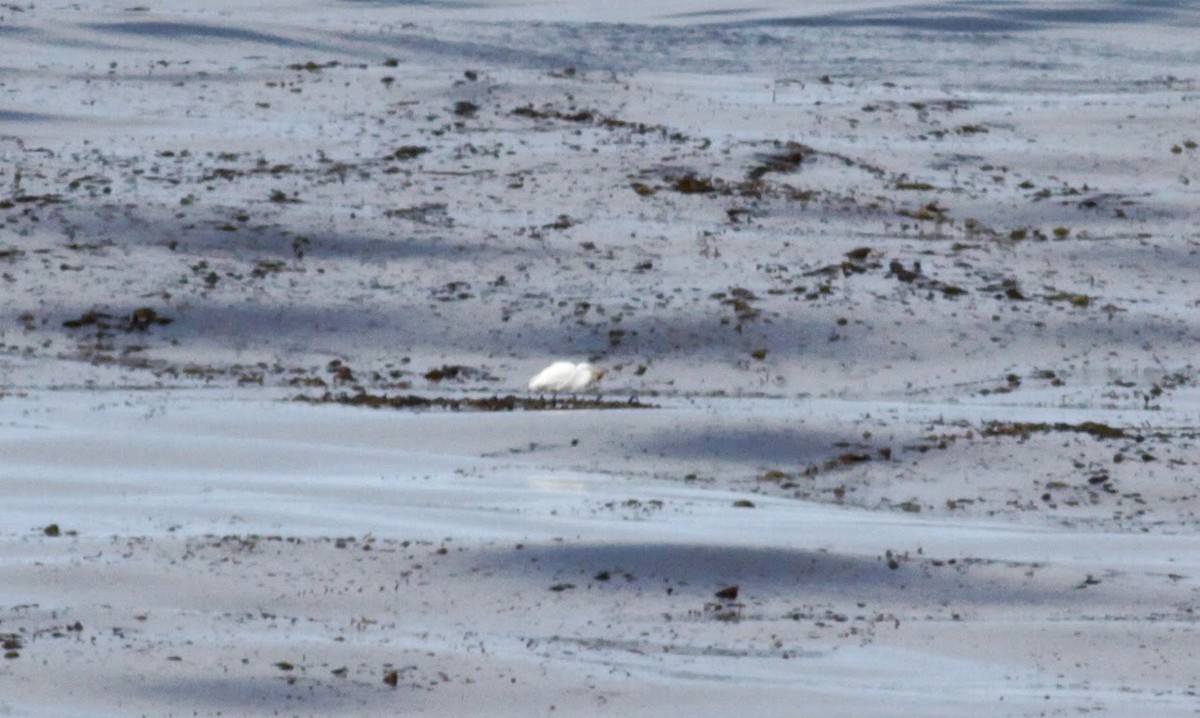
(896, 305)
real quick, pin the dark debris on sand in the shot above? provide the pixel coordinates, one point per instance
(509, 402)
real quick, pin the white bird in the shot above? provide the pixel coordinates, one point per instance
(566, 376)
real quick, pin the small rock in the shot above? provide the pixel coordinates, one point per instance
(729, 593)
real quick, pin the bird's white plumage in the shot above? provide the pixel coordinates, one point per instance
(566, 376)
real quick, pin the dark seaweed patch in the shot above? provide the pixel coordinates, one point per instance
(509, 402)
(1024, 428)
(786, 159)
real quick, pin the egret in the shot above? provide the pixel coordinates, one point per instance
(566, 376)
